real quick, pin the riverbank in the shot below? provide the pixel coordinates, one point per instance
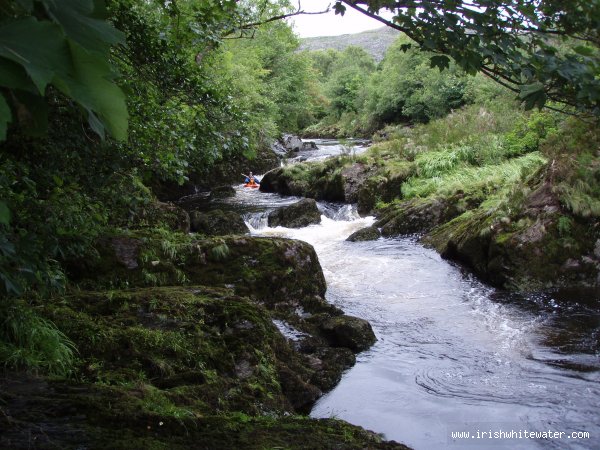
(176, 340)
(512, 196)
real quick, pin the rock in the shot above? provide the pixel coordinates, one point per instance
(365, 234)
(159, 214)
(597, 249)
(418, 215)
(298, 215)
(41, 413)
(292, 143)
(350, 332)
(309, 145)
(222, 192)
(217, 223)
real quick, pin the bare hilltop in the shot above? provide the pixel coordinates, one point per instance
(375, 42)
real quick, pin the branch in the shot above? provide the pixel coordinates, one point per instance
(251, 25)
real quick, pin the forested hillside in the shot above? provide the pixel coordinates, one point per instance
(128, 321)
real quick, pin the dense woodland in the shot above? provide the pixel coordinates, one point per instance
(103, 105)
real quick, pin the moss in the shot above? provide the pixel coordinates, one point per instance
(67, 415)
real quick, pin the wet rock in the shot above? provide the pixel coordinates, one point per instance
(309, 145)
(217, 223)
(298, 215)
(350, 332)
(222, 192)
(365, 234)
(292, 143)
(417, 215)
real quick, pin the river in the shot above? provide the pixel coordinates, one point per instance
(452, 353)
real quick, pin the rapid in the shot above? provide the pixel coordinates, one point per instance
(452, 353)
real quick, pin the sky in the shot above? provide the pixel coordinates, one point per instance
(329, 24)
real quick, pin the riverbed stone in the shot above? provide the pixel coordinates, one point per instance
(297, 215)
(365, 234)
(347, 331)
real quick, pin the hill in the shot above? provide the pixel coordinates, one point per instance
(375, 42)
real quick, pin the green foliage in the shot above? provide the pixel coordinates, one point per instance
(65, 46)
(475, 180)
(512, 41)
(407, 88)
(565, 226)
(30, 342)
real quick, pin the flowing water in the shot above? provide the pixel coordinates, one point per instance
(452, 354)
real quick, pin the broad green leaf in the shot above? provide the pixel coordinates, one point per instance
(441, 61)
(91, 88)
(13, 76)
(583, 50)
(75, 16)
(5, 118)
(530, 89)
(40, 47)
(4, 214)
(96, 125)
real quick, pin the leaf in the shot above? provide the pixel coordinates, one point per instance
(440, 61)
(339, 8)
(40, 47)
(75, 16)
(91, 88)
(530, 89)
(96, 125)
(5, 119)
(13, 76)
(4, 214)
(584, 51)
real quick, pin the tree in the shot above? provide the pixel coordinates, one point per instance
(545, 50)
(64, 44)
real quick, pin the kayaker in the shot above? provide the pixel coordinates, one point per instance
(250, 179)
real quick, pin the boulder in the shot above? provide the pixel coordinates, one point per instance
(365, 234)
(217, 223)
(350, 332)
(420, 215)
(292, 143)
(298, 215)
(309, 145)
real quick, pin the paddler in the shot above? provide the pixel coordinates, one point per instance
(251, 179)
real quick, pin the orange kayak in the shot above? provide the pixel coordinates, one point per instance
(252, 185)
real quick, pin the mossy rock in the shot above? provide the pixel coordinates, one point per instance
(217, 223)
(198, 347)
(45, 414)
(269, 269)
(297, 215)
(523, 255)
(365, 234)
(350, 332)
(417, 216)
(320, 181)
